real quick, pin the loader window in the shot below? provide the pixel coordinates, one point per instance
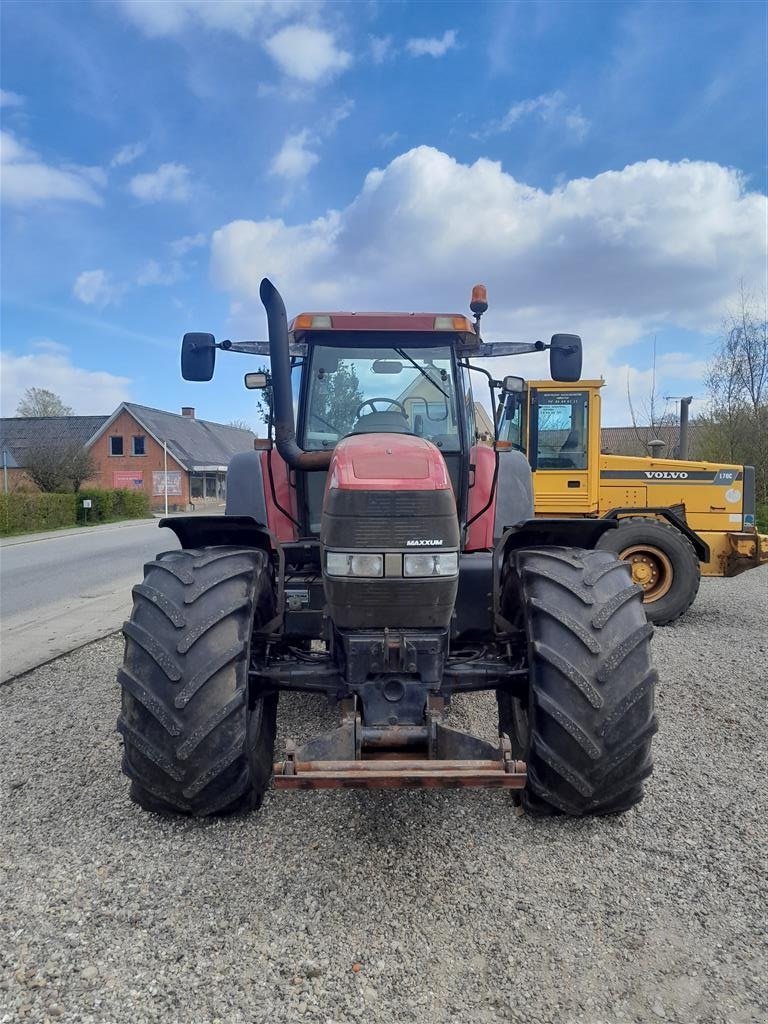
(512, 418)
(400, 389)
(562, 422)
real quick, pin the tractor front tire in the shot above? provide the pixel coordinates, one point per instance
(196, 740)
(663, 563)
(585, 728)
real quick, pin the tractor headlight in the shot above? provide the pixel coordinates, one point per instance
(341, 563)
(446, 563)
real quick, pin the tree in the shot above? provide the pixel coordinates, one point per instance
(336, 398)
(45, 465)
(264, 401)
(240, 425)
(79, 466)
(736, 427)
(59, 467)
(42, 402)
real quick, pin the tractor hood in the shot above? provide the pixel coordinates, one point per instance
(385, 462)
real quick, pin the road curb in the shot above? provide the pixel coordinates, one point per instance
(61, 654)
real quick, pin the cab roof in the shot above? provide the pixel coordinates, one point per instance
(421, 323)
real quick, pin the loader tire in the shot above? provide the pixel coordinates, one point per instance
(585, 729)
(663, 563)
(196, 740)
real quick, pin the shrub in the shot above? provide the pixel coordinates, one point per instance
(24, 513)
(102, 505)
(27, 513)
(762, 519)
(132, 504)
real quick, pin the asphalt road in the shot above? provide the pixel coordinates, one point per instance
(60, 590)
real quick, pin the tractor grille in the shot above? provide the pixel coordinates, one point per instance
(384, 534)
(354, 519)
(392, 504)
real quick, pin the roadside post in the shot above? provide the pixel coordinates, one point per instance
(165, 473)
(87, 503)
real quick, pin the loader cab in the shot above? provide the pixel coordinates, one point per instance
(557, 425)
(358, 382)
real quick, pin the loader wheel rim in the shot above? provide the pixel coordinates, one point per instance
(651, 570)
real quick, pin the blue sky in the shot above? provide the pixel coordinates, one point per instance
(601, 166)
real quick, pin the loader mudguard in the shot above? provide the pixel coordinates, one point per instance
(221, 531)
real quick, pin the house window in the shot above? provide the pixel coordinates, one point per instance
(115, 446)
(138, 445)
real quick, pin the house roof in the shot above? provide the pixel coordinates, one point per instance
(18, 434)
(195, 444)
(634, 440)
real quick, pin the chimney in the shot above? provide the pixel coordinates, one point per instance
(188, 410)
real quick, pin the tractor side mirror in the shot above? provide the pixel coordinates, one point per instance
(198, 356)
(513, 385)
(256, 381)
(565, 357)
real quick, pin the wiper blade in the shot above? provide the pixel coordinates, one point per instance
(422, 371)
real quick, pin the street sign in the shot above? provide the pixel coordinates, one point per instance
(87, 503)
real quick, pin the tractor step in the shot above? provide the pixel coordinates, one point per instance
(398, 773)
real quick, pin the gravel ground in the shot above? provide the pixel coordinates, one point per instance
(393, 907)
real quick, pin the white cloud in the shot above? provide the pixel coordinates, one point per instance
(550, 108)
(26, 179)
(10, 99)
(89, 392)
(181, 246)
(432, 47)
(298, 153)
(153, 273)
(96, 288)
(306, 53)
(388, 139)
(333, 118)
(610, 257)
(127, 154)
(296, 157)
(381, 48)
(169, 181)
(158, 18)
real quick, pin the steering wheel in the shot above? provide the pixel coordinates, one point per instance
(371, 401)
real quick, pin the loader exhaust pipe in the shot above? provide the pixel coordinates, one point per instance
(682, 445)
(282, 395)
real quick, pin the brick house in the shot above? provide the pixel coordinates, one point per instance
(135, 448)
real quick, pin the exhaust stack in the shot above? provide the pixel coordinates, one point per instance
(682, 444)
(282, 395)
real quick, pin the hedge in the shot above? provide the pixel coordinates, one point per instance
(23, 513)
(27, 513)
(109, 505)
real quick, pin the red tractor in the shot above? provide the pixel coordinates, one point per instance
(376, 553)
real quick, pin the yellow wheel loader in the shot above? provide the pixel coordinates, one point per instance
(678, 519)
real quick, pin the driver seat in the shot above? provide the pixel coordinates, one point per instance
(382, 423)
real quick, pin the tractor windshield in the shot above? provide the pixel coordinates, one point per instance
(407, 390)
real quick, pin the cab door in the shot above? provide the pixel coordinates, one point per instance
(563, 449)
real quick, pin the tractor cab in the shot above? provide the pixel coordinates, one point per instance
(376, 374)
